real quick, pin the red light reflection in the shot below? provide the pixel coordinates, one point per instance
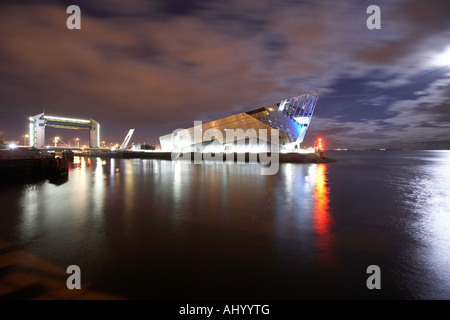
(322, 217)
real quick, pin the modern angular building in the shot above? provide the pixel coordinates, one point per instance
(249, 131)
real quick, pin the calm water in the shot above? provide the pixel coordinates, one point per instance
(173, 230)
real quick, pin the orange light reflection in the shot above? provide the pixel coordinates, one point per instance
(322, 217)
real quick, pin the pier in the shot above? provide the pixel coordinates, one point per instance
(290, 157)
(25, 164)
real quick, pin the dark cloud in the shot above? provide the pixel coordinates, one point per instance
(427, 124)
(427, 16)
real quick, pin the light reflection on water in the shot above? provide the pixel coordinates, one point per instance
(322, 216)
(427, 197)
(72, 210)
(309, 231)
(302, 212)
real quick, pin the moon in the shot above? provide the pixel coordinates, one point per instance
(444, 58)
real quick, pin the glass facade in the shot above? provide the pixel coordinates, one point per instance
(290, 117)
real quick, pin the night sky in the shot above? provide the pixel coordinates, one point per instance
(159, 65)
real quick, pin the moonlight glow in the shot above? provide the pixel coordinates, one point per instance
(444, 58)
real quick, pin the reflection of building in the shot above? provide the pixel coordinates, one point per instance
(40, 121)
(248, 131)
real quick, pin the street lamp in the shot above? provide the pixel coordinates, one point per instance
(56, 141)
(78, 142)
(25, 139)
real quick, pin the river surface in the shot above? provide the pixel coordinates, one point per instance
(156, 229)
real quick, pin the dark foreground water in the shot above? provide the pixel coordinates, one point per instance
(173, 230)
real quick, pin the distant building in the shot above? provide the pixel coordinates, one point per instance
(142, 147)
(39, 122)
(244, 132)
